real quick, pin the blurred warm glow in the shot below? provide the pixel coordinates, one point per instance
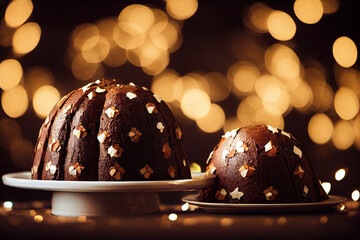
(345, 51)
(349, 78)
(21, 154)
(231, 123)
(346, 103)
(116, 57)
(301, 97)
(308, 11)
(36, 77)
(326, 186)
(343, 136)
(26, 38)
(281, 26)
(106, 28)
(139, 17)
(181, 9)
(243, 76)
(44, 100)
(17, 12)
(82, 33)
(163, 85)
(263, 116)
(355, 195)
(95, 49)
(195, 104)
(219, 87)
(357, 132)
(330, 6)
(6, 34)
(322, 96)
(11, 73)
(340, 174)
(258, 15)
(213, 121)
(283, 62)
(82, 69)
(320, 128)
(38, 218)
(15, 101)
(183, 84)
(128, 36)
(247, 109)
(10, 133)
(8, 205)
(276, 100)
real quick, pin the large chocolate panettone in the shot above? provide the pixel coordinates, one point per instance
(107, 131)
(261, 164)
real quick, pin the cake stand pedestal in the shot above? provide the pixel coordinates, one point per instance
(99, 198)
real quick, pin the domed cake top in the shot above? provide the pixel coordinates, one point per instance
(110, 131)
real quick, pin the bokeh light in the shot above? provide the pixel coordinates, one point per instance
(243, 76)
(330, 6)
(340, 174)
(343, 136)
(26, 38)
(257, 17)
(213, 121)
(281, 26)
(349, 78)
(345, 51)
(357, 132)
(15, 101)
(181, 9)
(308, 11)
(163, 85)
(320, 128)
(219, 87)
(82, 69)
(195, 104)
(173, 217)
(11, 73)
(346, 103)
(18, 12)
(139, 17)
(355, 195)
(37, 76)
(44, 100)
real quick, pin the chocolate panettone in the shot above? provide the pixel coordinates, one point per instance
(261, 164)
(106, 131)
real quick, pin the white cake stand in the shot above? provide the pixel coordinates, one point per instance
(97, 198)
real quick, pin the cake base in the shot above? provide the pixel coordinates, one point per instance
(74, 204)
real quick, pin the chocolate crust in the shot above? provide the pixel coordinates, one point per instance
(110, 132)
(261, 164)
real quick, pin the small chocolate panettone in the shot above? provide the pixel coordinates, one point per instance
(261, 164)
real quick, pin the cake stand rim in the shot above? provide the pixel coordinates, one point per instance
(22, 180)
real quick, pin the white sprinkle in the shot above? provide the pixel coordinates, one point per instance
(268, 195)
(86, 87)
(305, 191)
(223, 192)
(131, 95)
(231, 133)
(272, 129)
(48, 165)
(52, 169)
(111, 112)
(77, 132)
(100, 90)
(101, 137)
(67, 109)
(244, 172)
(268, 146)
(236, 194)
(150, 109)
(240, 147)
(225, 153)
(212, 170)
(297, 151)
(91, 95)
(112, 151)
(97, 81)
(145, 88)
(72, 171)
(160, 126)
(132, 84)
(118, 85)
(209, 158)
(157, 97)
(286, 134)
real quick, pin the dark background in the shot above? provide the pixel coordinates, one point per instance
(206, 47)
